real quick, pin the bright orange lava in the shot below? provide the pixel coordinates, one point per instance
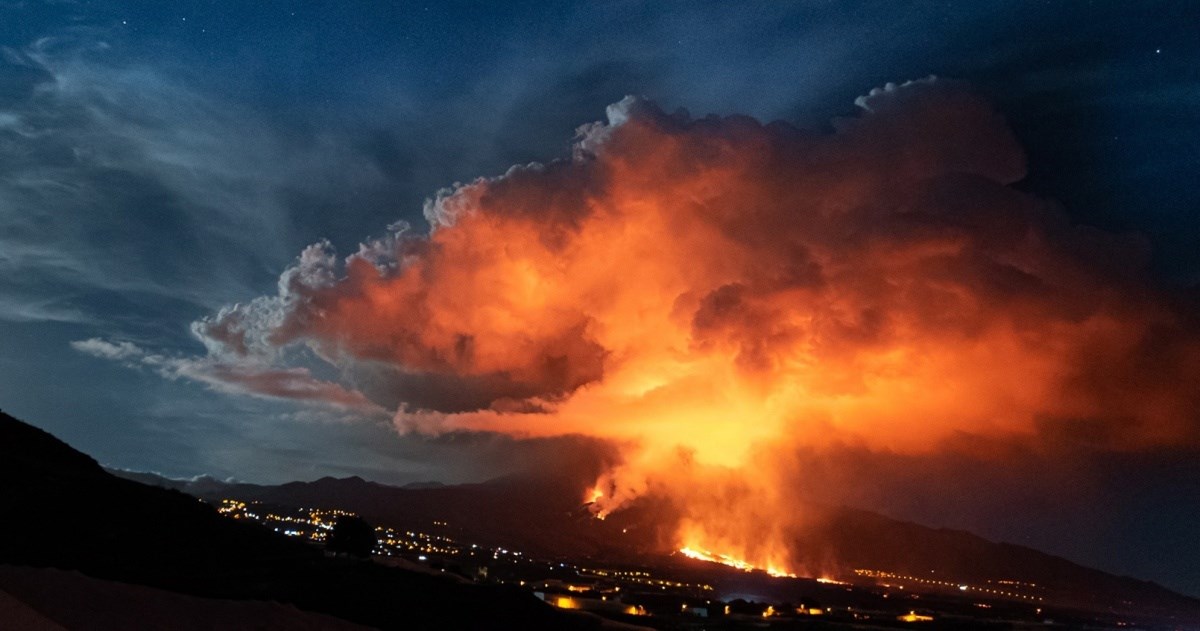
(724, 559)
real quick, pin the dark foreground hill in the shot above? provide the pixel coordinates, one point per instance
(542, 517)
(45, 599)
(60, 509)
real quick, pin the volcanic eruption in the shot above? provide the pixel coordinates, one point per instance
(712, 294)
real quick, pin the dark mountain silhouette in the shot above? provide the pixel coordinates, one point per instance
(540, 516)
(862, 539)
(543, 517)
(45, 599)
(60, 509)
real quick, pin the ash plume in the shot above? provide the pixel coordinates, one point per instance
(714, 295)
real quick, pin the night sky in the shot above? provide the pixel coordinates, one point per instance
(160, 161)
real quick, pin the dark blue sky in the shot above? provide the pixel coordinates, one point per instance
(160, 160)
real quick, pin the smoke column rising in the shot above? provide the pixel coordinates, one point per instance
(712, 294)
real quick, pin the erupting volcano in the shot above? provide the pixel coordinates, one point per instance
(712, 295)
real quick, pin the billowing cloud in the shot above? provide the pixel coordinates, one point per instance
(716, 293)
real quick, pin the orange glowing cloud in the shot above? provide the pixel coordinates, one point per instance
(711, 291)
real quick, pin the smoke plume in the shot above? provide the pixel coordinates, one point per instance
(716, 294)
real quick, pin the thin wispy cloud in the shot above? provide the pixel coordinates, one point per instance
(241, 378)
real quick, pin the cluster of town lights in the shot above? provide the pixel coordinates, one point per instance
(314, 524)
(878, 574)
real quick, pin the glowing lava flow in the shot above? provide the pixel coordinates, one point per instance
(594, 496)
(725, 559)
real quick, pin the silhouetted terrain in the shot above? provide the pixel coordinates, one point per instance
(543, 517)
(37, 599)
(60, 509)
(861, 539)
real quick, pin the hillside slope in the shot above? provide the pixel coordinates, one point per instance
(543, 517)
(62, 510)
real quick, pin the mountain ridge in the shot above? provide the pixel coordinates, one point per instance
(541, 516)
(489, 512)
(63, 511)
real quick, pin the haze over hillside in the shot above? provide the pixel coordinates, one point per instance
(542, 516)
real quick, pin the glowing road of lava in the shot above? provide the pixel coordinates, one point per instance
(724, 559)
